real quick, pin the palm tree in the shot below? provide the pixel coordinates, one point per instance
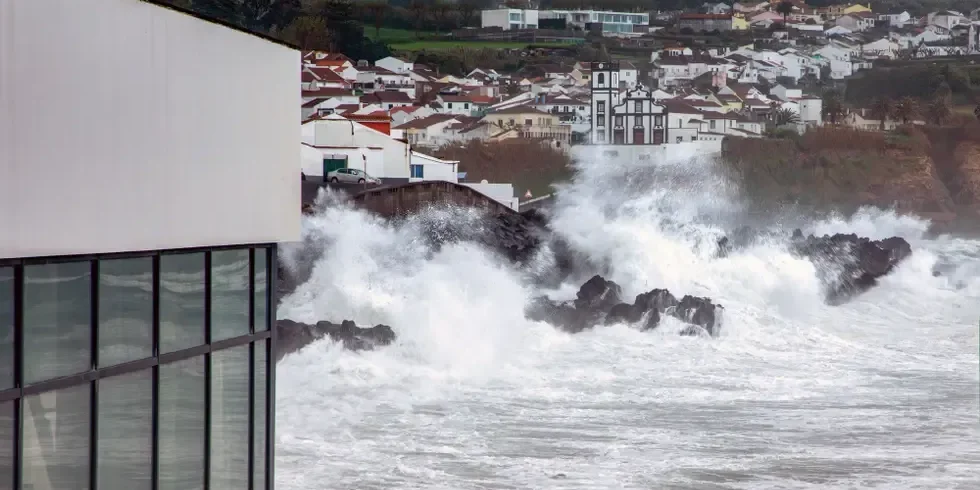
(938, 111)
(783, 116)
(785, 8)
(882, 109)
(833, 107)
(906, 109)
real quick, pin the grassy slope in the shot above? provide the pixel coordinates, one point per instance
(833, 168)
(407, 40)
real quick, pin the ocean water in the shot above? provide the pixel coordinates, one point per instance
(881, 392)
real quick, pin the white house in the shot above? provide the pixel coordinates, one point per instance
(946, 20)
(508, 19)
(628, 74)
(395, 65)
(810, 111)
(785, 93)
(855, 22)
(896, 19)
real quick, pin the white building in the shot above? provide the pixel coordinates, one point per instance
(630, 117)
(508, 19)
(138, 254)
(396, 65)
(612, 22)
(811, 111)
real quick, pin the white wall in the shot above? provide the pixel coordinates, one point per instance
(434, 168)
(337, 131)
(502, 193)
(370, 160)
(154, 147)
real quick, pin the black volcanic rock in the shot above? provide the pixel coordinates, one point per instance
(293, 336)
(849, 264)
(854, 264)
(598, 302)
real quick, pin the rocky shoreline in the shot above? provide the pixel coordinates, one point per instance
(849, 265)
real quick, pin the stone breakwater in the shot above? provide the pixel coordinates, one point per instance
(848, 265)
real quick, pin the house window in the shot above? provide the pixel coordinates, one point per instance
(658, 121)
(418, 171)
(466, 105)
(511, 122)
(601, 78)
(391, 106)
(449, 105)
(619, 121)
(712, 124)
(600, 136)
(601, 106)
(638, 106)
(680, 138)
(528, 122)
(601, 122)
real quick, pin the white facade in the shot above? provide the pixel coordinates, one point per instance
(784, 93)
(425, 167)
(368, 159)
(811, 111)
(508, 19)
(337, 132)
(605, 94)
(502, 193)
(396, 65)
(121, 180)
(612, 22)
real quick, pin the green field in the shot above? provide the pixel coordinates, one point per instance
(444, 45)
(407, 40)
(395, 36)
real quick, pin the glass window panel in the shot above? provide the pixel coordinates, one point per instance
(56, 439)
(229, 294)
(181, 425)
(57, 320)
(125, 310)
(259, 398)
(261, 289)
(6, 328)
(125, 431)
(229, 418)
(181, 301)
(7, 445)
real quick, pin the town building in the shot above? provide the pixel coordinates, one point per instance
(624, 117)
(138, 254)
(508, 18)
(606, 22)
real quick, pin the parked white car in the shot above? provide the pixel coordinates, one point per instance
(351, 176)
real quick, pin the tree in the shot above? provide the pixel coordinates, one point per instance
(467, 11)
(309, 32)
(833, 107)
(254, 15)
(419, 10)
(378, 9)
(906, 109)
(440, 11)
(882, 109)
(785, 8)
(783, 116)
(938, 111)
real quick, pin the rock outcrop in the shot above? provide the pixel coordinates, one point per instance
(293, 336)
(599, 302)
(854, 263)
(849, 264)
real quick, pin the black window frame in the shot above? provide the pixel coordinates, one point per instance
(255, 337)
